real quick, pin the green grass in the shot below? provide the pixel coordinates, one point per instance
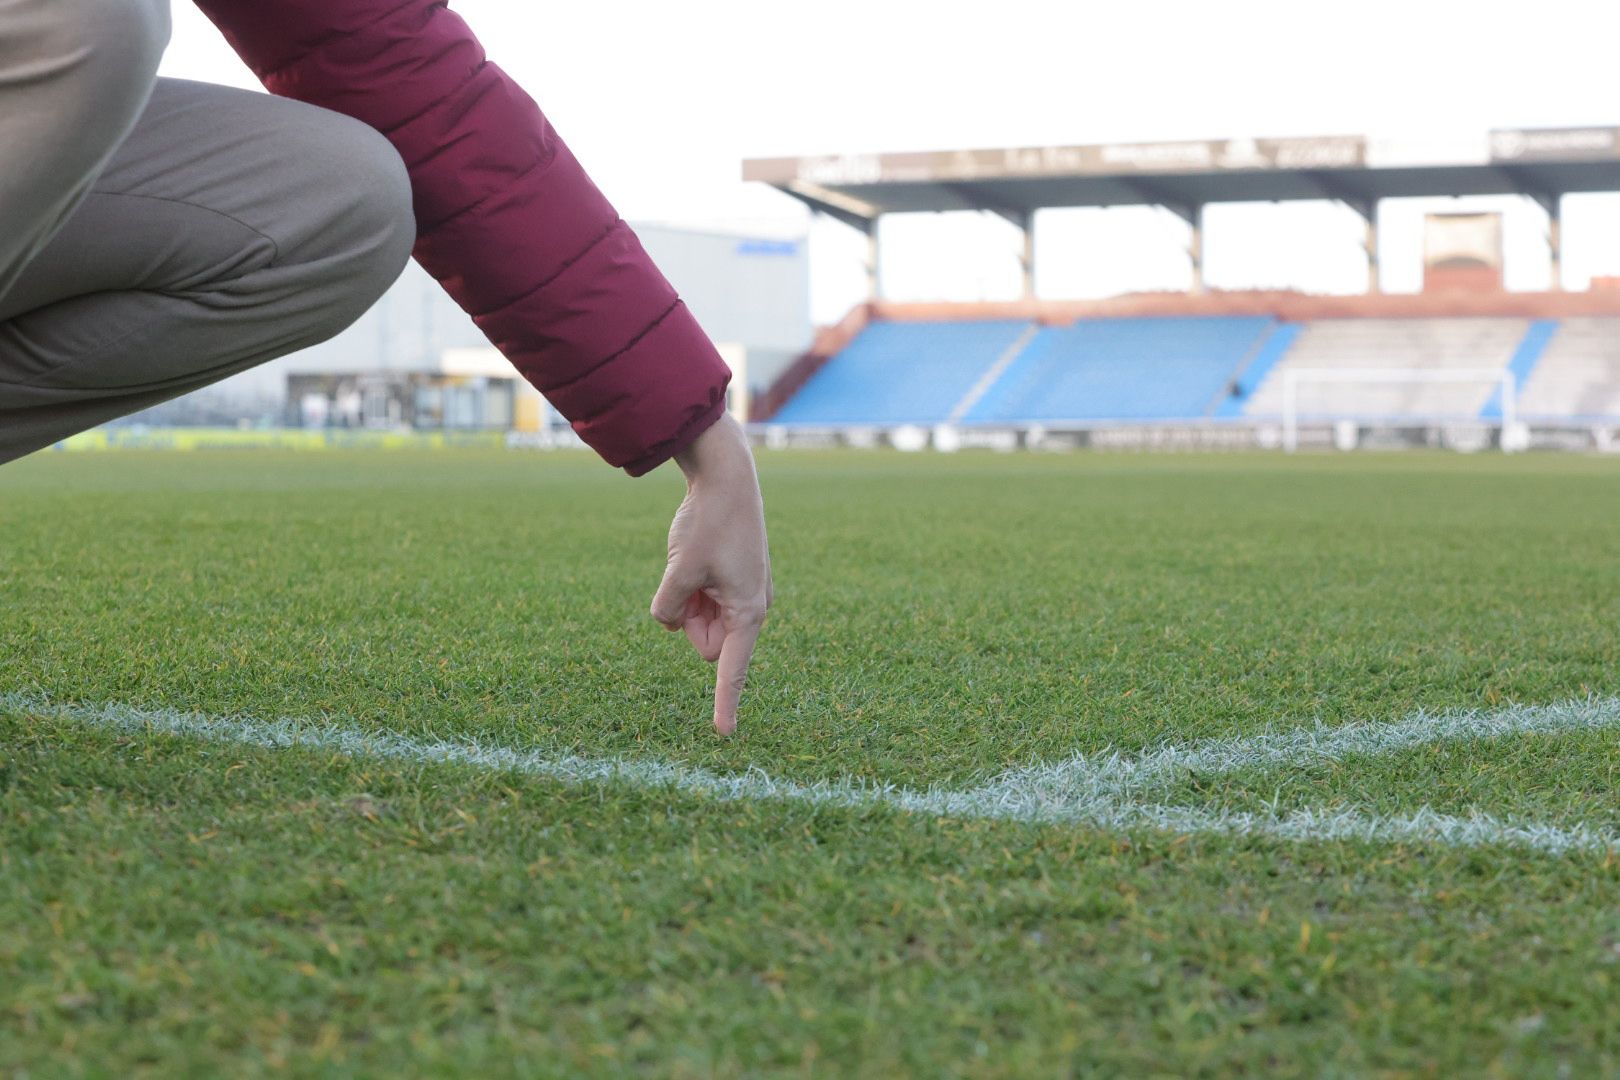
(193, 909)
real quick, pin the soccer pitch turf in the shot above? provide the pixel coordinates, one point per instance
(1197, 765)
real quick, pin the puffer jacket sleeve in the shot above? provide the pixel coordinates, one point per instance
(507, 220)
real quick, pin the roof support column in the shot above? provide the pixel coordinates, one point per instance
(855, 213)
(1195, 246)
(1024, 221)
(874, 260)
(1551, 201)
(1555, 241)
(1026, 258)
(1154, 193)
(1375, 259)
(1368, 212)
(1365, 206)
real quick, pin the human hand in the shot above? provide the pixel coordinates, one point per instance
(718, 582)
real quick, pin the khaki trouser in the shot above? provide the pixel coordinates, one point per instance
(158, 235)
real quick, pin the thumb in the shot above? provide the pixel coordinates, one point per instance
(669, 603)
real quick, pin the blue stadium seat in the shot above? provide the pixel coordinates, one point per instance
(1123, 369)
(902, 373)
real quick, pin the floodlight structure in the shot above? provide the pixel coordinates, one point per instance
(1502, 379)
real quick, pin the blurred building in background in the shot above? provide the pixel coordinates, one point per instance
(416, 360)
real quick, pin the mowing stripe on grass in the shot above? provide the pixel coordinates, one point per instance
(1103, 791)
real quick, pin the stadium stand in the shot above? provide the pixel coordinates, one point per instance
(1409, 344)
(1207, 370)
(1578, 376)
(1123, 369)
(902, 373)
(1524, 362)
(1235, 396)
(1465, 362)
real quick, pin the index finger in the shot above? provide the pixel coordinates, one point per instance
(731, 673)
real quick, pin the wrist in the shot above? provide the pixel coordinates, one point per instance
(721, 450)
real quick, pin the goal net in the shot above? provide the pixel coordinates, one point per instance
(1349, 398)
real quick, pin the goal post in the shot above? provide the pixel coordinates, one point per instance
(1295, 378)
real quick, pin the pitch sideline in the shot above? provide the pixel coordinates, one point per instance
(1108, 791)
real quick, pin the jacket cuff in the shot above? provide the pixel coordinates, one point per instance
(684, 438)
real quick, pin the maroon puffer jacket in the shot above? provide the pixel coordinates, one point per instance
(507, 221)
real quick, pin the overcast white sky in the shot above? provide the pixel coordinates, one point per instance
(663, 100)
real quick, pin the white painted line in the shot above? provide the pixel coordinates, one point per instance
(1103, 792)
(1114, 774)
